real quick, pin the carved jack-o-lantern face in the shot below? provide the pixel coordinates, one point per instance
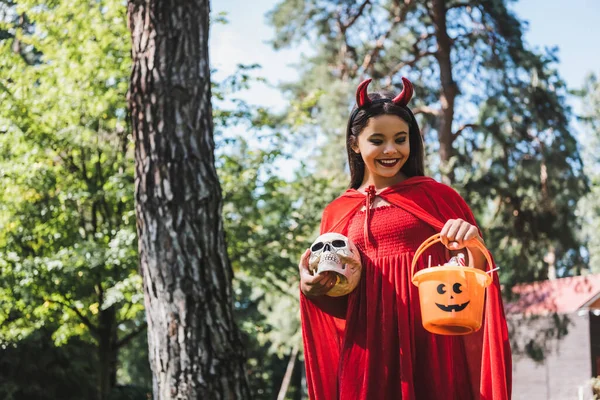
(454, 297)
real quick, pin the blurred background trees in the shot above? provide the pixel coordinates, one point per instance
(493, 114)
(589, 205)
(69, 257)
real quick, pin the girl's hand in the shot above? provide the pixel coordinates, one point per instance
(457, 234)
(314, 285)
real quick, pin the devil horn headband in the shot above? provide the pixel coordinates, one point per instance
(406, 94)
(362, 98)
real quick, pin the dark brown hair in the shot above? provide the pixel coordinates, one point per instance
(414, 166)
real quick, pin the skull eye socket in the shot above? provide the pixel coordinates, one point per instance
(317, 246)
(456, 288)
(441, 289)
(338, 243)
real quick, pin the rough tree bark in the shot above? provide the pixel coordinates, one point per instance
(195, 347)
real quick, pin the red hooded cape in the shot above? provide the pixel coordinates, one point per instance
(324, 319)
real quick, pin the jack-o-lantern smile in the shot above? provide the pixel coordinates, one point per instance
(456, 288)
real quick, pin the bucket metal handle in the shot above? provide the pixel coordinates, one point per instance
(435, 239)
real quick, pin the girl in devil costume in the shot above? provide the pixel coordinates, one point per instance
(371, 344)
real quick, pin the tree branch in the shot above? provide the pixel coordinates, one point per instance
(427, 110)
(400, 17)
(100, 292)
(346, 48)
(345, 27)
(288, 373)
(343, 66)
(462, 128)
(472, 34)
(458, 5)
(93, 328)
(131, 335)
(70, 162)
(410, 63)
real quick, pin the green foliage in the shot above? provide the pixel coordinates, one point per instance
(130, 393)
(67, 222)
(67, 217)
(537, 336)
(513, 155)
(66, 207)
(269, 222)
(35, 369)
(134, 371)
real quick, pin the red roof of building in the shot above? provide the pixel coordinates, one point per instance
(562, 296)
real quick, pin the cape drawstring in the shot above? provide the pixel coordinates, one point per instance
(371, 193)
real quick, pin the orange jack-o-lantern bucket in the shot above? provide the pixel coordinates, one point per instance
(451, 297)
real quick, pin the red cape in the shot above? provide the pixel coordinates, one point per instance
(323, 318)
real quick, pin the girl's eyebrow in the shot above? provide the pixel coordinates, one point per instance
(381, 134)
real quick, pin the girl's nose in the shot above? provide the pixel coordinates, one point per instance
(389, 149)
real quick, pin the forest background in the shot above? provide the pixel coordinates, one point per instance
(509, 120)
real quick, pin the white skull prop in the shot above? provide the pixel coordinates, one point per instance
(335, 252)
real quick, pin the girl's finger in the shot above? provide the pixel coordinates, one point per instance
(305, 256)
(444, 232)
(454, 229)
(303, 264)
(329, 285)
(473, 233)
(330, 281)
(462, 232)
(315, 279)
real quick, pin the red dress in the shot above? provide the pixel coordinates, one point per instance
(371, 345)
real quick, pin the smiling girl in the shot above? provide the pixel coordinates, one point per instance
(371, 343)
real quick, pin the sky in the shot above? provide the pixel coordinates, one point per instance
(245, 40)
(570, 25)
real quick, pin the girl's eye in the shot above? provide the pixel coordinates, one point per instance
(401, 140)
(376, 142)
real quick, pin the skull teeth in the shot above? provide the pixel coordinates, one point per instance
(330, 257)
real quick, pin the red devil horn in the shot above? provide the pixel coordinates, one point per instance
(407, 91)
(362, 99)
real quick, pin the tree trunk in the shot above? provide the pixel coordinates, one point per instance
(107, 351)
(449, 89)
(195, 347)
(297, 379)
(287, 378)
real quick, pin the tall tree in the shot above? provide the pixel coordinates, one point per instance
(492, 111)
(195, 347)
(589, 206)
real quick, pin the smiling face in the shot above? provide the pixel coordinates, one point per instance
(384, 147)
(453, 297)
